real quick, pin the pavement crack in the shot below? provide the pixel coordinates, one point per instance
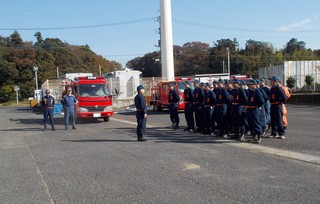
(43, 182)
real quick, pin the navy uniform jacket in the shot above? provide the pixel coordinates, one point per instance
(174, 97)
(223, 97)
(209, 98)
(255, 98)
(140, 103)
(264, 95)
(198, 95)
(69, 101)
(238, 97)
(277, 95)
(266, 89)
(188, 97)
(48, 101)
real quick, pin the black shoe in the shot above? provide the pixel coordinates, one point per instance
(242, 138)
(53, 129)
(186, 129)
(66, 128)
(45, 127)
(191, 130)
(74, 128)
(198, 130)
(141, 139)
(176, 126)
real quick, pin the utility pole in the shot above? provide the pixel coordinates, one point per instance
(35, 69)
(100, 70)
(167, 60)
(229, 74)
(57, 72)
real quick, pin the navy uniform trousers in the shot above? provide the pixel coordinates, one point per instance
(188, 112)
(253, 115)
(238, 120)
(48, 112)
(276, 119)
(141, 123)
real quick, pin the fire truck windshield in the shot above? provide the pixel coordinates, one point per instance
(93, 90)
(182, 86)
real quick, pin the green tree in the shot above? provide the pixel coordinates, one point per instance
(309, 80)
(291, 82)
(117, 65)
(16, 38)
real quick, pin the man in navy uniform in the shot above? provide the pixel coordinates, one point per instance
(69, 102)
(141, 113)
(188, 110)
(209, 99)
(238, 100)
(48, 107)
(254, 103)
(267, 103)
(263, 119)
(222, 100)
(173, 101)
(277, 98)
(198, 105)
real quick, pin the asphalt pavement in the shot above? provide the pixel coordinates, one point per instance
(103, 163)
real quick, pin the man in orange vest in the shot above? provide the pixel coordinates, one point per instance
(284, 108)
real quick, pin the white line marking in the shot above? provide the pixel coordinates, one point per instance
(191, 167)
(269, 150)
(43, 182)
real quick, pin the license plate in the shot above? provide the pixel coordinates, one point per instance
(96, 115)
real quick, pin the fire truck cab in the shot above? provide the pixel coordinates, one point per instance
(93, 95)
(160, 93)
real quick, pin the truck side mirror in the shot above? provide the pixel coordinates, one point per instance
(116, 91)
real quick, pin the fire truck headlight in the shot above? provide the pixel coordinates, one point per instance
(83, 109)
(108, 108)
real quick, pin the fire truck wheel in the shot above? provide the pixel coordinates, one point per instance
(106, 119)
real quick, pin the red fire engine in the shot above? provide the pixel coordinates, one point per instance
(93, 95)
(160, 93)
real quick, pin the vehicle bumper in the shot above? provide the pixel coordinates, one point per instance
(94, 114)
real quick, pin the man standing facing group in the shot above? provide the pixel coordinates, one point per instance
(48, 107)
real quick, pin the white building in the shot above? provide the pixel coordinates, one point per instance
(296, 69)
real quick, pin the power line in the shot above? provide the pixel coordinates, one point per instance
(85, 26)
(237, 29)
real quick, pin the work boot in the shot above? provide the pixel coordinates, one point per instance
(176, 126)
(141, 139)
(45, 126)
(74, 128)
(241, 137)
(198, 130)
(53, 128)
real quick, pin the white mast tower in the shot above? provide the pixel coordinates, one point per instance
(166, 40)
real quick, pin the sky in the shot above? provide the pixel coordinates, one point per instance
(121, 30)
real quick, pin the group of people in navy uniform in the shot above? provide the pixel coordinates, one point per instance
(231, 108)
(68, 101)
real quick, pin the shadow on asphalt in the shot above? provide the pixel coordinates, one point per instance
(97, 140)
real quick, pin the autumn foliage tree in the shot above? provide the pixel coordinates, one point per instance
(17, 59)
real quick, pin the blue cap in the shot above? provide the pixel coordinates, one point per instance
(226, 81)
(196, 81)
(140, 87)
(262, 80)
(275, 78)
(188, 82)
(236, 81)
(252, 82)
(202, 83)
(214, 81)
(244, 82)
(207, 84)
(171, 84)
(220, 81)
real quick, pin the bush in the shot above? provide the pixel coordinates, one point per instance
(291, 82)
(309, 80)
